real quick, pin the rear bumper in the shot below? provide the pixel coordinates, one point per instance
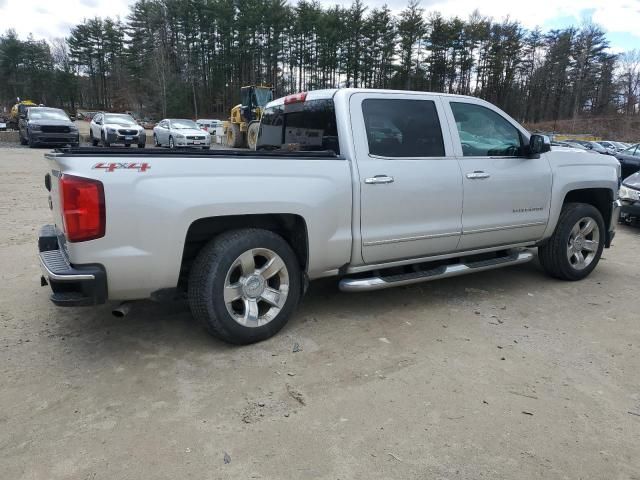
(71, 285)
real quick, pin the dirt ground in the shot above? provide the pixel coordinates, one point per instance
(500, 375)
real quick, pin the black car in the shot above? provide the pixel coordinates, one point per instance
(629, 160)
(47, 126)
(630, 197)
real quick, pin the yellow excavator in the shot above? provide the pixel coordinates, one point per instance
(17, 110)
(244, 123)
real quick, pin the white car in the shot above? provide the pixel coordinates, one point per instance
(209, 125)
(178, 132)
(116, 128)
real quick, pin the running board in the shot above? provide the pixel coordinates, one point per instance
(380, 282)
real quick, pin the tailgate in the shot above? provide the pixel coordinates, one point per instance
(52, 184)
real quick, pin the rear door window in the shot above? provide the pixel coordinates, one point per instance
(302, 126)
(402, 128)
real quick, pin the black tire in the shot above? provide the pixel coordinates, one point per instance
(553, 255)
(141, 145)
(127, 145)
(172, 144)
(94, 142)
(32, 144)
(104, 141)
(207, 281)
(155, 141)
(252, 135)
(235, 138)
(23, 141)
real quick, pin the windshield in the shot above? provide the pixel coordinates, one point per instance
(125, 120)
(38, 114)
(183, 124)
(262, 96)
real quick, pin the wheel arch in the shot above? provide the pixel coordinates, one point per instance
(601, 198)
(292, 227)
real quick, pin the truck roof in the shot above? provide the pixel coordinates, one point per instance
(331, 92)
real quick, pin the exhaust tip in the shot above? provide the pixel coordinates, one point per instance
(121, 310)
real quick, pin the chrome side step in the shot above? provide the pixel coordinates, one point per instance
(380, 282)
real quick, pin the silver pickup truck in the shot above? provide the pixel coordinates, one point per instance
(378, 188)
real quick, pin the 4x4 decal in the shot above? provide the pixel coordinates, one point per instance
(110, 167)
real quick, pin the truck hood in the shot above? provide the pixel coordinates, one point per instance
(633, 181)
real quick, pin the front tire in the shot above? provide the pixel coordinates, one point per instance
(252, 135)
(244, 285)
(172, 144)
(575, 248)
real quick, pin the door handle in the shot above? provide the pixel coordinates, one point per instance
(478, 175)
(378, 179)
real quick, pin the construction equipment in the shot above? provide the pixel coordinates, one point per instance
(20, 108)
(244, 122)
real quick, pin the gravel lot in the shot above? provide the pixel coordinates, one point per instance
(504, 374)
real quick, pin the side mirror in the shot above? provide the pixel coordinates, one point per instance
(538, 144)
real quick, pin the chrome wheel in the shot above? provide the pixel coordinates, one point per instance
(584, 239)
(256, 287)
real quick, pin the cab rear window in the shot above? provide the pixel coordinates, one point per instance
(303, 126)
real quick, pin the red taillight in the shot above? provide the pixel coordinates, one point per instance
(82, 204)
(296, 98)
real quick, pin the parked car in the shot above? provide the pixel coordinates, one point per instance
(116, 128)
(621, 146)
(594, 146)
(568, 144)
(629, 160)
(176, 132)
(630, 198)
(47, 126)
(241, 232)
(611, 147)
(209, 125)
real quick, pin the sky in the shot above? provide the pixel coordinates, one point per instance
(620, 18)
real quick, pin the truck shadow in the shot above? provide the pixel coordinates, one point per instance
(169, 327)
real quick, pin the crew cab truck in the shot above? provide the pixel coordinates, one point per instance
(378, 188)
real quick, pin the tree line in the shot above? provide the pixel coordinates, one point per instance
(190, 58)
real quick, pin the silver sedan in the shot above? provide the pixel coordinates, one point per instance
(178, 133)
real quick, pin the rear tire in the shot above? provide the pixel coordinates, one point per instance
(575, 248)
(23, 141)
(234, 136)
(230, 279)
(94, 141)
(141, 145)
(155, 141)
